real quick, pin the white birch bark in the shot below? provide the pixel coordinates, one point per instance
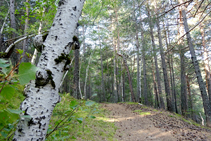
(41, 100)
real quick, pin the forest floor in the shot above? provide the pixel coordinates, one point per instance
(140, 123)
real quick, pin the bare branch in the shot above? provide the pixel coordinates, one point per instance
(189, 31)
(175, 7)
(198, 8)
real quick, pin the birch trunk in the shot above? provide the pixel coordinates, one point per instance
(42, 98)
(206, 103)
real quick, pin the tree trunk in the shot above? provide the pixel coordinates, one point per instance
(138, 66)
(129, 78)
(146, 102)
(115, 96)
(190, 103)
(87, 71)
(102, 76)
(12, 16)
(206, 103)
(13, 25)
(184, 104)
(162, 105)
(42, 98)
(157, 103)
(25, 42)
(171, 71)
(35, 51)
(76, 75)
(206, 63)
(174, 87)
(166, 81)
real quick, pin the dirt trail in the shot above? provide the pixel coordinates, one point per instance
(157, 126)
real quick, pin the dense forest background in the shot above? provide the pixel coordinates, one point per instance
(153, 52)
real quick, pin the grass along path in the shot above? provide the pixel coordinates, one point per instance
(91, 121)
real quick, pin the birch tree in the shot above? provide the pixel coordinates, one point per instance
(42, 93)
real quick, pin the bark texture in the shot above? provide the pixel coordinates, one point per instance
(42, 93)
(206, 103)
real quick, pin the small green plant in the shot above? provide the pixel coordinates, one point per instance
(145, 113)
(74, 119)
(11, 94)
(137, 111)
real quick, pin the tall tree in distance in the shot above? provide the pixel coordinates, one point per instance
(206, 102)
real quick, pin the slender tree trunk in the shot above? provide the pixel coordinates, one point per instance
(184, 104)
(146, 102)
(166, 81)
(206, 63)
(190, 99)
(13, 26)
(12, 17)
(138, 66)
(35, 51)
(102, 76)
(174, 87)
(2, 29)
(157, 103)
(171, 71)
(76, 75)
(25, 42)
(162, 105)
(87, 71)
(183, 90)
(206, 103)
(129, 78)
(41, 98)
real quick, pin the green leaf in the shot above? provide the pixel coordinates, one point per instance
(94, 95)
(15, 111)
(93, 117)
(73, 104)
(80, 120)
(27, 72)
(3, 117)
(3, 134)
(4, 63)
(8, 92)
(89, 103)
(26, 116)
(20, 51)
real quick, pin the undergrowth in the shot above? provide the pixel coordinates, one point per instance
(86, 121)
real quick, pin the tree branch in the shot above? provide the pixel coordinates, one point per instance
(189, 31)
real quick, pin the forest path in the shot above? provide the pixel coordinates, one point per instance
(152, 125)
